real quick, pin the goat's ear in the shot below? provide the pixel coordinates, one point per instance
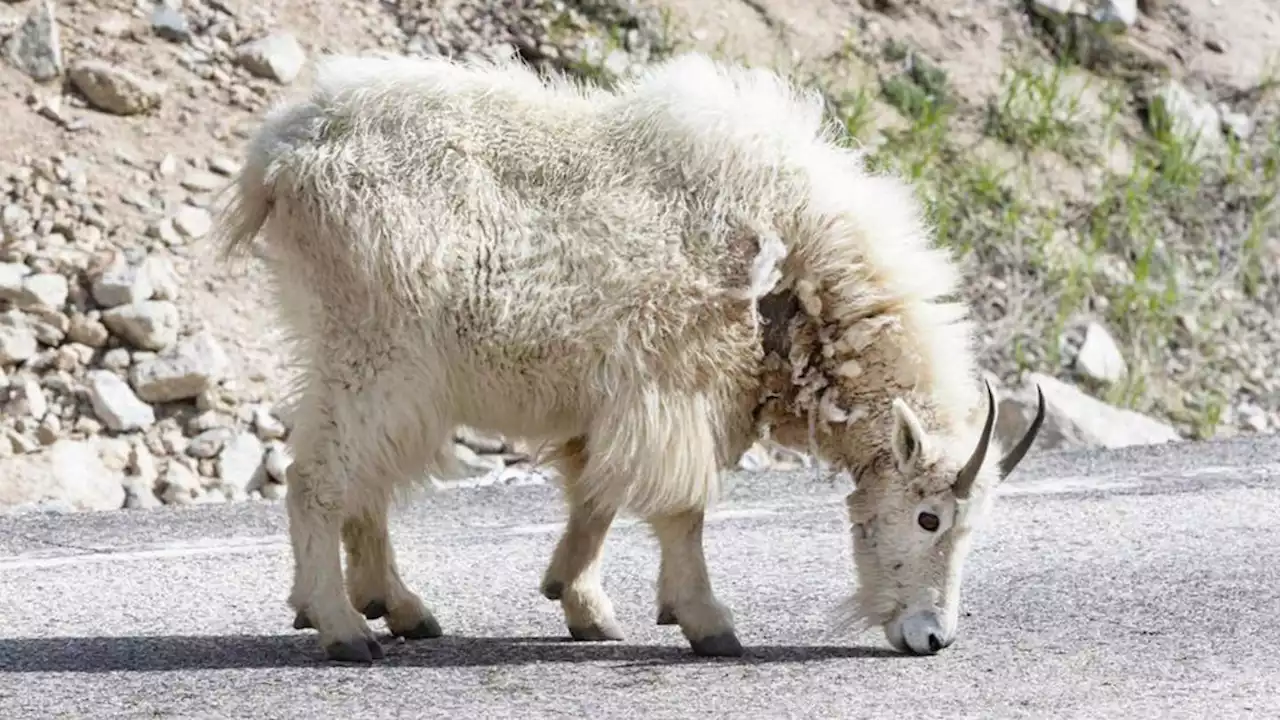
(909, 439)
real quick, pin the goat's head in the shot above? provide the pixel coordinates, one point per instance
(912, 515)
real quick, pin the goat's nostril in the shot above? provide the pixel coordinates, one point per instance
(934, 643)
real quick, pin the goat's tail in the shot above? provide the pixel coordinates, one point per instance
(242, 217)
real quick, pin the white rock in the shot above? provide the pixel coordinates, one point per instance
(266, 424)
(27, 400)
(277, 462)
(1074, 419)
(201, 181)
(11, 277)
(181, 485)
(121, 283)
(115, 403)
(1194, 121)
(1122, 13)
(210, 442)
(147, 325)
(278, 56)
(68, 472)
(140, 483)
(48, 290)
(1099, 357)
(193, 222)
(239, 461)
(183, 371)
(17, 338)
(162, 277)
(114, 89)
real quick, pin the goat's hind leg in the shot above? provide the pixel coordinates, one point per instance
(317, 488)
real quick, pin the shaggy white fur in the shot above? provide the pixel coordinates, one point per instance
(645, 279)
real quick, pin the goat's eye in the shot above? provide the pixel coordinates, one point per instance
(928, 521)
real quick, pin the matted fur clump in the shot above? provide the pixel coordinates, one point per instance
(645, 280)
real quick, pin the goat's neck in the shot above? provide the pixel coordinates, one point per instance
(826, 383)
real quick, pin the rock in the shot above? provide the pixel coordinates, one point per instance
(162, 277)
(68, 472)
(473, 463)
(121, 283)
(201, 181)
(278, 57)
(17, 338)
(19, 443)
(27, 399)
(88, 331)
(1074, 419)
(277, 462)
(1099, 357)
(12, 276)
(147, 325)
(209, 442)
(183, 371)
(755, 459)
(1175, 110)
(480, 442)
(115, 90)
(115, 403)
(1237, 124)
(180, 485)
(192, 222)
(1119, 13)
(48, 290)
(170, 24)
(140, 483)
(267, 425)
(239, 461)
(36, 48)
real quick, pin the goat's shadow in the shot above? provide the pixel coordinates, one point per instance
(151, 653)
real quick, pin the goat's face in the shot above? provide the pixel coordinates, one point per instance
(913, 514)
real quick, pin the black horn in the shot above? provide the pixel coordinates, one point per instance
(969, 473)
(1011, 460)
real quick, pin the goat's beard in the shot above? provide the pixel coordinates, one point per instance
(872, 603)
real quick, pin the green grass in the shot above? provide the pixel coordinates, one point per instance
(1143, 252)
(1156, 245)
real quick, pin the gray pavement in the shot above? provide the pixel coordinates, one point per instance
(1136, 583)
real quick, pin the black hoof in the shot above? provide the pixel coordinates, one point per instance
(424, 630)
(302, 622)
(723, 645)
(666, 616)
(608, 630)
(553, 590)
(374, 610)
(364, 650)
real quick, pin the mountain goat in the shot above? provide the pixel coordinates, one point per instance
(645, 279)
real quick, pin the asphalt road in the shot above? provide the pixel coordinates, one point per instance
(1136, 583)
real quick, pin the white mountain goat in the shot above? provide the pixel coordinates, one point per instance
(646, 280)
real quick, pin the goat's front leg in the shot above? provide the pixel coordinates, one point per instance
(685, 596)
(373, 580)
(573, 575)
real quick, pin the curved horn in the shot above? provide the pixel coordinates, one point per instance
(1011, 460)
(969, 473)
